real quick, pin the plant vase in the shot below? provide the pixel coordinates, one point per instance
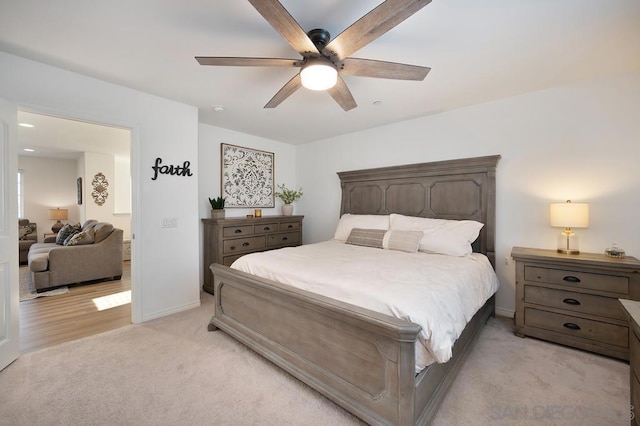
(287, 209)
(217, 213)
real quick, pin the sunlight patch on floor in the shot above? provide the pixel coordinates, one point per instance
(112, 300)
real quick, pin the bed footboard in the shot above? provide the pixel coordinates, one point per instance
(360, 359)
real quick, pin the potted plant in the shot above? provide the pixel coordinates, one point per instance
(288, 196)
(217, 207)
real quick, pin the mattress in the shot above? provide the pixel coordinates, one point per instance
(440, 293)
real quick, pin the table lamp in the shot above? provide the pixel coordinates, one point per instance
(58, 215)
(569, 215)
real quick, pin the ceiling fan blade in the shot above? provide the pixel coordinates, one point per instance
(342, 95)
(372, 25)
(382, 69)
(287, 90)
(248, 62)
(283, 22)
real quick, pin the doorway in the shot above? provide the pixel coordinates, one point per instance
(58, 159)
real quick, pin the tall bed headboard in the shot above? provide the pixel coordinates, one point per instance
(453, 189)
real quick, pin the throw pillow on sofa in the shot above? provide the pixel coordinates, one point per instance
(25, 230)
(65, 232)
(80, 238)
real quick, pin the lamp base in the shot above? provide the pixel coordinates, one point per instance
(56, 227)
(565, 251)
(568, 243)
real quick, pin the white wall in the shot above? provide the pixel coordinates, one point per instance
(165, 261)
(49, 183)
(210, 138)
(578, 142)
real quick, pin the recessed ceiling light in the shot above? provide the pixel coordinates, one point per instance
(30, 150)
(218, 108)
(26, 125)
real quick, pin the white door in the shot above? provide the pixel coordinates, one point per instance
(9, 299)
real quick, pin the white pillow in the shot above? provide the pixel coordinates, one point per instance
(450, 237)
(366, 221)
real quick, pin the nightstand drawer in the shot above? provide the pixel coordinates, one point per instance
(579, 327)
(290, 226)
(286, 238)
(244, 244)
(572, 301)
(587, 280)
(265, 227)
(236, 231)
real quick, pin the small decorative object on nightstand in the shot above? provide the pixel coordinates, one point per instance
(614, 251)
(573, 299)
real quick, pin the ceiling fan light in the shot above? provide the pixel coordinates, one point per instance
(318, 76)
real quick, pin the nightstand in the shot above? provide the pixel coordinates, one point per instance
(573, 299)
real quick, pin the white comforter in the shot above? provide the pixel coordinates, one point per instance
(439, 293)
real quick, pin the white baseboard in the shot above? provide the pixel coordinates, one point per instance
(505, 312)
(173, 310)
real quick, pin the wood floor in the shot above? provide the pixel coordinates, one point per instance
(47, 321)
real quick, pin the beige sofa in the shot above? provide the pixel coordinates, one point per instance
(55, 265)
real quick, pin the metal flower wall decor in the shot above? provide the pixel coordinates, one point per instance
(100, 185)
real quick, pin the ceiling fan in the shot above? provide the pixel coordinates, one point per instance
(323, 59)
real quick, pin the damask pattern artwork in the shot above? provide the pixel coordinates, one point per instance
(99, 185)
(246, 177)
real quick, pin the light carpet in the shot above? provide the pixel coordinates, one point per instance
(28, 291)
(171, 371)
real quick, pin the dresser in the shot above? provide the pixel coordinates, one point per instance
(632, 309)
(226, 240)
(573, 299)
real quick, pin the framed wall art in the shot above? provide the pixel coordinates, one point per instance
(79, 190)
(246, 176)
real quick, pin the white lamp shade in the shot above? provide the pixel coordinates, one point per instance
(317, 75)
(569, 215)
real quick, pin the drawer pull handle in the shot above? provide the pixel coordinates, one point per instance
(266, 228)
(232, 247)
(571, 326)
(245, 244)
(238, 231)
(571, 302)
(284, 238)
(290, 226)
(571, 279)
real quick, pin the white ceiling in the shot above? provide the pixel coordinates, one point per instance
(478, 51)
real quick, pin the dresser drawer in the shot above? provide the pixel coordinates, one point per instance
(611, 283)
(578, 327)
(576, 302)
(236, 231)
(243, 244)
(265, 227)
(290, 226)
(283, 239)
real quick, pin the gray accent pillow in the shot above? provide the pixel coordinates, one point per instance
(80, 238)
(366, 237)
(25, 230)
(407, 241)
(102, 230)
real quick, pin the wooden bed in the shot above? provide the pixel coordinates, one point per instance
(358, 358)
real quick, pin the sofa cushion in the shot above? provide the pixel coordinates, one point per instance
(80, 238)
(38, 262)
(102, 231)
(89, 224)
